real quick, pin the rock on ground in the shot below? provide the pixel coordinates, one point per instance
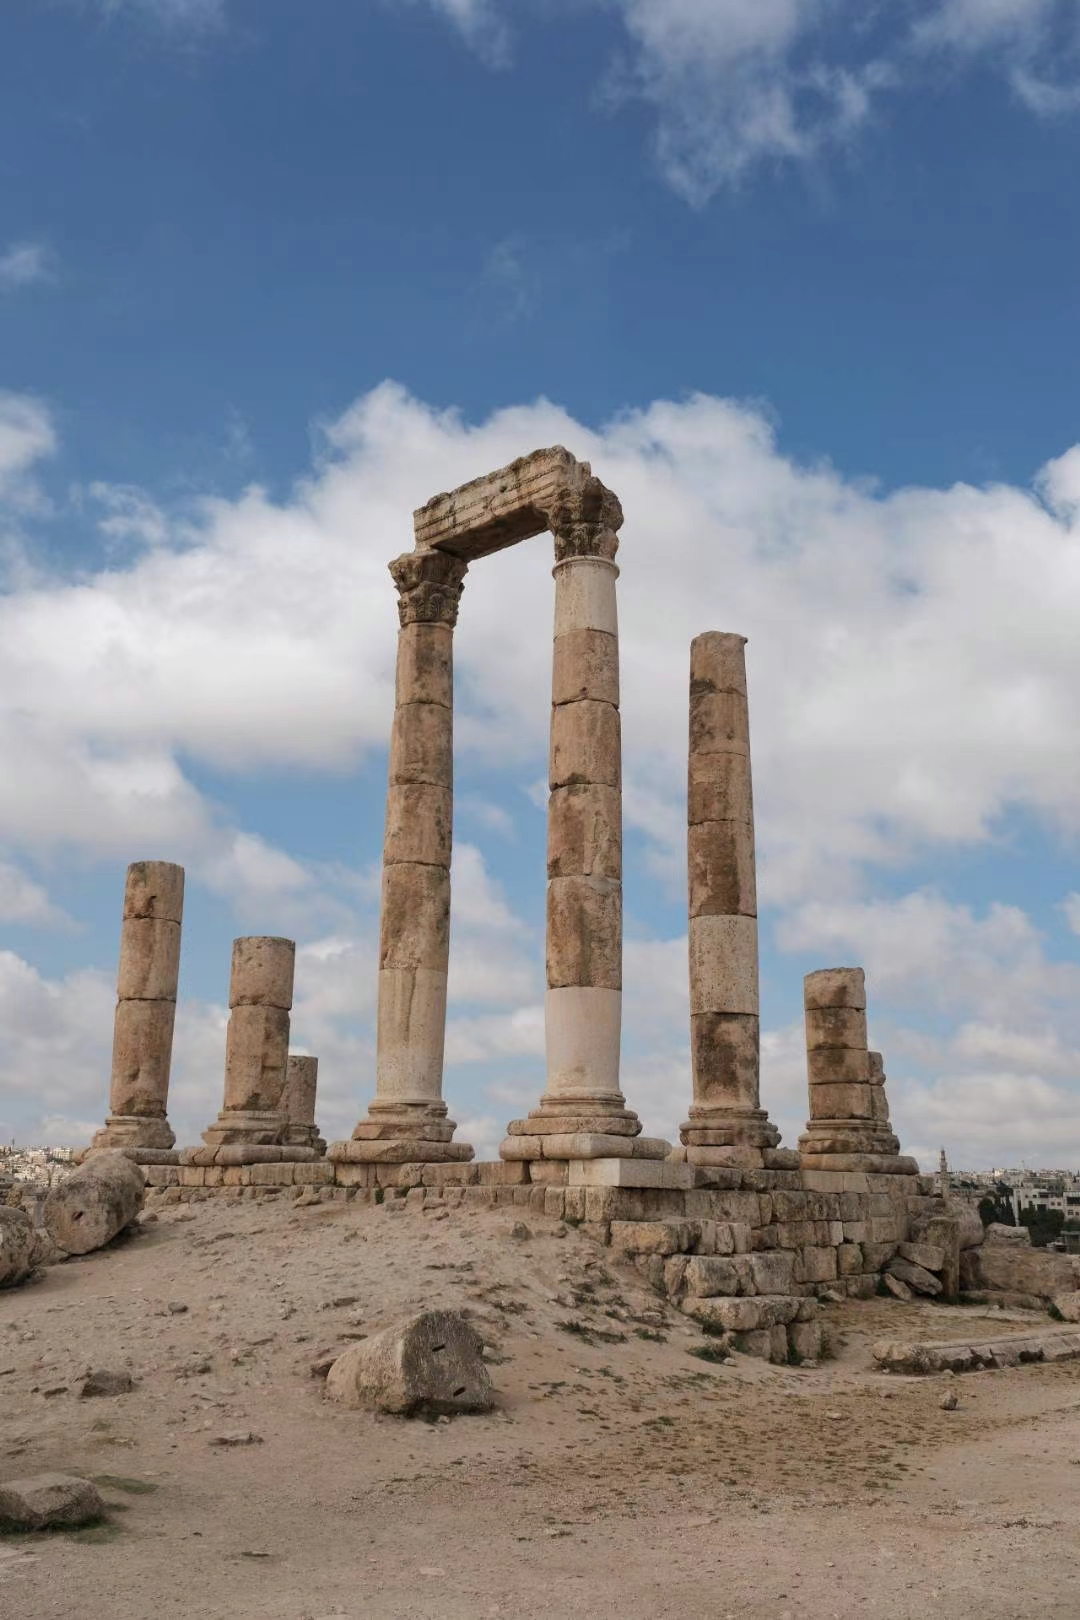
(21, 1250)
(917, 1277)
(49, 1502)
(430, 1363)
(88, 1208)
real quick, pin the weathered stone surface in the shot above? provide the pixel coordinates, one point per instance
(106, 1381)
(723, 964)
(142, 1057)
(585, 744)
(662, 1238)
(718, 722)
(846, 1101)
(998, 1232)
(256, 1054)
(896, 1287)
(721, 865)
(21, 1251)
(1068, 1305)
(154, 889)
(425, 665)
(838, 1066)
(430, 1363)
(717, 663)
(149, 959)
(836, 1026)
(744, 1314)
(719, 787)
(49, 1502)
(585, 832)
(709, 1275)
(584, 933)
(419, 824)
(585, 664)
(835, 987)
(726, 1055)
(970, 1355)
(422, 745)
(928, 1255)
(301, 1084)
(1012, 1268)
(89, 1207)
(632, 1172)
(414, 928)
(263, 966)
(805, 1340)
(916, 1277)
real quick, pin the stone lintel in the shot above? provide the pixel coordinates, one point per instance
(490, 513)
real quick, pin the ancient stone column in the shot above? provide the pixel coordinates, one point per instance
(145, 1010)
(727, 1123)
(582, 1113)
(257, 1044)
(846, 1128)
(406, 1120)
(301, 1079)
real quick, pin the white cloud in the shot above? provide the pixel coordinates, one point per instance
(23, 264)
(24, 901)
(184, 14)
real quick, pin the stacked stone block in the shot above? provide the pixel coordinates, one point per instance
(727, 1123)
(145, 1013)
(257, 1045)
(848, 1126)
(301, 1082)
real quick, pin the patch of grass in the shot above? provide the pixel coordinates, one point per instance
(709, 1352)
(650, 1334)
(380, 1195)
(1053, 1313)
(120, 1482)
(591, 1335)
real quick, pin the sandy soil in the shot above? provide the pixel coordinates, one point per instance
(620, 1476)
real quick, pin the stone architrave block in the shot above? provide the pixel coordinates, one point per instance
(501, 508)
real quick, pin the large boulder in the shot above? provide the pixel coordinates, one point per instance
(998, 1232)
(429, 1364)
(88, 1208)
(49, 1502)
(1013, 1268)
(21, 1249)
(917, 1277)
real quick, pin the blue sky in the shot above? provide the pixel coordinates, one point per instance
(801, 280)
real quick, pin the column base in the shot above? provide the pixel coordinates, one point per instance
(729, 1127)
(304, 1136)
(243, 1127)
(151, 1131)
(402, 1133)
(581, 1126)
(853, 1144)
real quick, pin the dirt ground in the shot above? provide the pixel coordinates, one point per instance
(621, 1475)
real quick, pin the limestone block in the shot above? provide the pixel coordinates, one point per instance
(723, 965)
(719, 788)
(431, 1363)
(585, 597)
(262, 972)
(414, 927)
(21, 1250)
(718, 723)
(998, 1232)
(744, 1314)
(772, 1273)
(419, 824)
(814, 1264)
(725, 1048)
(877, 1254)
(411, 1031)
(585, 664)
(50, 1501)
(425, 665)
(837, 1066)
(560, 1116)
(662, 1238)
(301, 1082)
(839, 1101)
(633, 1172)
(586, 744)
(835, 987)
(149, 959)
(587, 1145)
(256, 1053)
(805, 1341)
(928, 1255)
(1011, 1268)
(707, 1276)
(1068, 1305)
(849, 1259)
(585, 832)
(154, 889)
(142, 1056)
(584, 932)
(836, 1026)
(422, 745)
(722, 877)
(718, 662)
(89, 1207)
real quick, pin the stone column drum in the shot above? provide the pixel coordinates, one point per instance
(406, 1121)
(257, 1044)
(727, 1124)
(583, 1113)
(301, 1080)
(145, 1011)
(846, 1129)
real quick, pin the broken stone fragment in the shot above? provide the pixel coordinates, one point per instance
(928, 1255)
(917, 1277)
(898, 1289)
(21, 1249)
(103, 1381)
(49, 1502)
(432, 1363)
(88, 1208)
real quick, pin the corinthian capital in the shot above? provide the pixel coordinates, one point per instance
(429, 586)
(585, 518)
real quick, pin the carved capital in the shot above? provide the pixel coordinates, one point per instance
(585, 518)
(429, 585)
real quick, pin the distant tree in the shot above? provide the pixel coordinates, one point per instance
(997, 1206)
(1044, 1224)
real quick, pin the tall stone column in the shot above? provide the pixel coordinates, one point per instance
(145, 1010)
(727, 1123)
(846, 1129)
(257, 1044)
(406, 1120)
(301, 1080)
(582, 1113)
